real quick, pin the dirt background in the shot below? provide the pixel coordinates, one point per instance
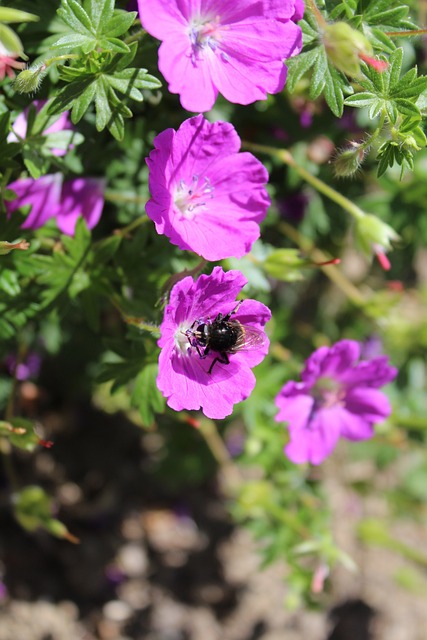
(155, 565)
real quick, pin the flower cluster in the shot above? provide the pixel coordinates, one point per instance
(203, 188)
(51, 197)
(338, 397)
(192, 373)
(233, 48)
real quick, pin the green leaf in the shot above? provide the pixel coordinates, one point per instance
(119, 24)
(73, 14)
(113, 44)
(100, 11)
(81, 105)
(298, 66)
(9, 40)
(9, 282)
(362, 99)
(73, 40)
(146, 396)
(7, 14)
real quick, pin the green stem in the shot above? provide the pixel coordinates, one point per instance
(405, 34)
(285, 156)
(124, 231)
(138, 35)
(411, 422)
(232, 475)
(115, 196)
(320, 19)
(334, 274)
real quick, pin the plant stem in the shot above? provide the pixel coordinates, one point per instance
(115, 196)
(330, 271)
(405, 34)
(232, 476)
(285, 156)
(320, 19)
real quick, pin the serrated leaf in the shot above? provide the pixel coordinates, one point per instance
(362, 99)
(319, 72)
(81, 105)
(113, 44)
(298, 66)
(390, 16)
(119, 24)
(407, 108)
(73, 14)
(74, 40)
(100, 11)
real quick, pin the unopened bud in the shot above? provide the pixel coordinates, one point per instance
(29, 80)
(7, 247)
(375, 237)
(345, 47)
(348, 160)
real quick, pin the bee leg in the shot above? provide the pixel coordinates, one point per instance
(223, 360)
(235, 310)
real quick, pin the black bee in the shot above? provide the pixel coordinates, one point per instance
(223, 336)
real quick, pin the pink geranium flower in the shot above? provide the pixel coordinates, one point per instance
(50, 197)
(19, 127)
(233, 48)
(338, 397)
(193, 376)
(206, 196)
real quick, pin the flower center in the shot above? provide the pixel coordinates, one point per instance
(204, 35)
(328, 393)
(191, 199)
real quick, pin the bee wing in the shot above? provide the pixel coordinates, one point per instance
(250, 338)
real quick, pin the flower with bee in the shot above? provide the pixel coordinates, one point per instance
(209, 344)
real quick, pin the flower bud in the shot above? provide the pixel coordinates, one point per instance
(375, 236)
(345, 47)
(7, 247)
(29, 80)
(348, 160)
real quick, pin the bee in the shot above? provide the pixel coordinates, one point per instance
(224, 337)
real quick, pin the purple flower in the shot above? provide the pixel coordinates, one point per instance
(19, 127)
(50, 197)
(188, 376)
(216, 46)
(338, 397)
(206, 196)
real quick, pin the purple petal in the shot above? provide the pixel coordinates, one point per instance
(80, 197)
(370, 373)
(315, 443)
(370, 404)
(43, 196)
(332, 361)
(354, 427)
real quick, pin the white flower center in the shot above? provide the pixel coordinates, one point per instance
(191, 199)
(182, 344)
(205, 35)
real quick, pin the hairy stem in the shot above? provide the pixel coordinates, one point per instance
(285, 156)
